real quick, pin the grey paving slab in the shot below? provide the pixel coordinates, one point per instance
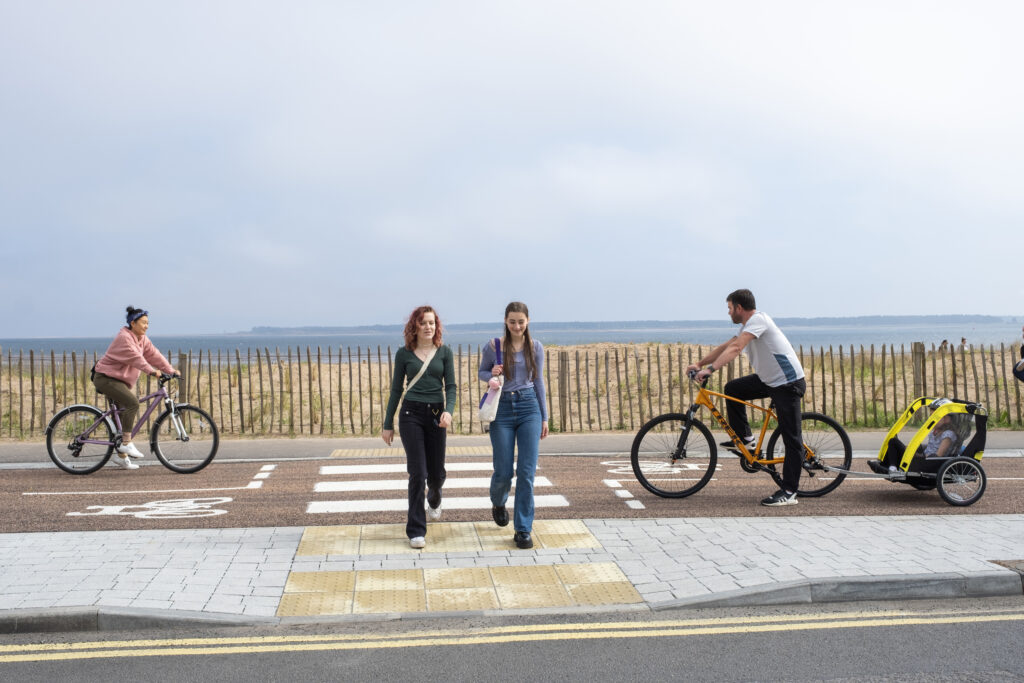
(91, 578)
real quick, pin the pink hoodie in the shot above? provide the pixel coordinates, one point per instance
(127, 356)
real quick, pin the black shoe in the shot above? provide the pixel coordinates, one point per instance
(522, 540)
(434, 497)
(749, 443)
(500, 515)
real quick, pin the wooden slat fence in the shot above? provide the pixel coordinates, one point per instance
(307, 391)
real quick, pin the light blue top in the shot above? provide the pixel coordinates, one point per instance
(519, 377)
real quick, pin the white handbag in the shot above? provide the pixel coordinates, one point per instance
(489, 401)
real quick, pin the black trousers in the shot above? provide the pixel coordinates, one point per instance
(424, 442)
(787, 407)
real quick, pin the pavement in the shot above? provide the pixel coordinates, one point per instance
(116, 580)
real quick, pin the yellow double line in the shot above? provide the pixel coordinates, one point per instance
(488, 636)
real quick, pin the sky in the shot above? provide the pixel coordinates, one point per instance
(227, 164)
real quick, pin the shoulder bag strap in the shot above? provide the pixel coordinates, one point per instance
(423, 369)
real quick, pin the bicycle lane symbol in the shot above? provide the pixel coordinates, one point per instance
(181, 508)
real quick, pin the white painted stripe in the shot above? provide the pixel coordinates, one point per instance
(329, 470)
(99, 493)
(399, 504)
(262, 475)
(403, 484)
(612, 483)
(254, 485)
(635, 504)
(268, 468)
(623, 493)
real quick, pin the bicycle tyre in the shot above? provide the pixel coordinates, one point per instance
(63, 430)
(654, 447)
(196, 451)
(826, 443)
(961, 481)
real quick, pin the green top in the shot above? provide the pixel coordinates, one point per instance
(428, 388)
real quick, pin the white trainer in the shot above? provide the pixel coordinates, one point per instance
(125, 462)
(434, 514)
(130, 450)
(414, 542)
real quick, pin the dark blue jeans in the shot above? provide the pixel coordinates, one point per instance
(787, 408)
(424, 443)
(518, 423)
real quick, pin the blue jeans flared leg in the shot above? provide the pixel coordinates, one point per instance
(518, 423)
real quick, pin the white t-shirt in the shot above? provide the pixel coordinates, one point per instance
(771, 354)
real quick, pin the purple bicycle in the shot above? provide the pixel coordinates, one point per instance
(81, 438)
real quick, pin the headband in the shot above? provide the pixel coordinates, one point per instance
(132, 317)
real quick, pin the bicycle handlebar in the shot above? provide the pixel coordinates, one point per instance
(165, 378)
(692, 374)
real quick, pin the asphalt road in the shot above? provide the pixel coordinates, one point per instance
(267, 482)
(908, 642)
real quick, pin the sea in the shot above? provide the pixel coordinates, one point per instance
(805, 332)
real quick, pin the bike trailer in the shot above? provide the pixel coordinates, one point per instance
(945, 451)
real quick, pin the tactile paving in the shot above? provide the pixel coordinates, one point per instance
(620, 593)
(461, 599)
(523, 596)
(591, 572)
(450, 589)
(314, 604)
(457, 577)
(320, 582)
(389, 580)
(518, 576)
(376, 602)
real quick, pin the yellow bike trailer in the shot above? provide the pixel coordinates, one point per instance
(944, 453)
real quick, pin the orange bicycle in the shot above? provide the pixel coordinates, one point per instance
(674, 455)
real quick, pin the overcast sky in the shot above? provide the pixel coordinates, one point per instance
(233, 164)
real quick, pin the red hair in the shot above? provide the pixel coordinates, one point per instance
(414, 319)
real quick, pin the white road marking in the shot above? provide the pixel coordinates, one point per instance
(403, 484)
(330, 470)
(400, 504)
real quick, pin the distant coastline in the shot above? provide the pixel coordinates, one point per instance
(805, 332)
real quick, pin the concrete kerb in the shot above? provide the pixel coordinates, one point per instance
(858, 589)
(897, 587)
(80, 619)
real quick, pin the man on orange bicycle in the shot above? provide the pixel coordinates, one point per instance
(778, 376)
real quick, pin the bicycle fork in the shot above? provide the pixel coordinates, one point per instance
(680, 450)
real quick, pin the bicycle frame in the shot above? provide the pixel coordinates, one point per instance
(115, 412)
(704, 400)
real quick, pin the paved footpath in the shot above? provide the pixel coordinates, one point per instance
(136, 579)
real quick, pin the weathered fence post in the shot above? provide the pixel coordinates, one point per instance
(917, 364)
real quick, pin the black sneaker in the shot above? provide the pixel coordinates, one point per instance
(500, 515)
(780, 497)
(749, 443)
(522, 540)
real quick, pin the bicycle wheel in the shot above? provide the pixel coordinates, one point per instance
(825, 443)
(673, 457)
(185, 441)
(960, 481)
(65, 435)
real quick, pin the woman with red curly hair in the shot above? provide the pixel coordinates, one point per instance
(425, 370)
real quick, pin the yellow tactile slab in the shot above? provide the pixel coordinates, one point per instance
(384, 452)
(445, 537)
(455, 589)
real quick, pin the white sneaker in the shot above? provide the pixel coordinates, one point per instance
(414, 542)
(125, 462)
(434, 514)
(130, 450)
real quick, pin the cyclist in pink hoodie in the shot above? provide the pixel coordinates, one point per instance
(116, 373)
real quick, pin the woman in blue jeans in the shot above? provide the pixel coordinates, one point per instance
(522, 419)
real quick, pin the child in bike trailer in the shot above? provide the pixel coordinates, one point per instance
(115, 374)
(778, 375)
